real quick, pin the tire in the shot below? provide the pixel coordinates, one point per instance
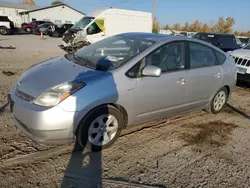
(28, 30)
(55, 34)
(4, 31)
(218, 102)
(91, 134)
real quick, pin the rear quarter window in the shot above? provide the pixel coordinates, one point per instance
(219, 57)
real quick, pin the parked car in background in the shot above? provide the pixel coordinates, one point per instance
(188, 34)
(244, 40)
(135, 78)
(29, 26)
(43, 28)
(58, 31)
(6, 25)
(226, 42)
(242, 60)
(103, 23)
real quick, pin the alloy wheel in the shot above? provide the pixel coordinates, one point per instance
(220, 100)
(102, 130)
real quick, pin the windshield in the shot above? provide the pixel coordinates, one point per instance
(81, 24)
(247, 47)
(110, 53)
(244, 40)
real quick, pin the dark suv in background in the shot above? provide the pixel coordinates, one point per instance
(226, 42)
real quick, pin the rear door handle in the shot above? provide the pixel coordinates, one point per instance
(181, 81)
(218, 75)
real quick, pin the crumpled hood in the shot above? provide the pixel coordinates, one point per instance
(244, 53)
(50, 73)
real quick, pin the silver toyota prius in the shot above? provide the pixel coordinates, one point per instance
(123, 80)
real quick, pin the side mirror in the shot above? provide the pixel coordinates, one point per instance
(89, 31)
(151, 70)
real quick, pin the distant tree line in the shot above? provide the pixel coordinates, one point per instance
(223, 25)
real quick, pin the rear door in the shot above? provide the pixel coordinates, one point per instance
(205, 74)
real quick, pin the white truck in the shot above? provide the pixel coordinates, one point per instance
(5, 25)
(242, 60)
(104, 23)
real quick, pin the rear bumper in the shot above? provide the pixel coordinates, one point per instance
(243, 77)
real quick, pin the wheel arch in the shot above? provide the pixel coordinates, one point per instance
(228, 89)
(114, 105)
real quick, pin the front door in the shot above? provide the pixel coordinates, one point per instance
(205, 74)
(158, 97)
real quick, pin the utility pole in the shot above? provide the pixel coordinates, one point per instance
(153, 11)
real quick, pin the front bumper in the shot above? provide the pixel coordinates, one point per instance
(243, 77)
(43, 125)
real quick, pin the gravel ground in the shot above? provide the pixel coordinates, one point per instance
(196, 150)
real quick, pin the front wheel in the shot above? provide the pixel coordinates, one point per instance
(219, 101)
(4, 31)
(100, 129)
(28, 30)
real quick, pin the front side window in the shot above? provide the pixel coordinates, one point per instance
(170, 57)
(110, 53)
(200, 56)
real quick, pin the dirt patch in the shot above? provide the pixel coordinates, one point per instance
(240, 99)
(212, 134)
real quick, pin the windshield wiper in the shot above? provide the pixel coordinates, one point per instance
(86, 60)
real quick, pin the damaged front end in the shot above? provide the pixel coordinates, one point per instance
(74, 40)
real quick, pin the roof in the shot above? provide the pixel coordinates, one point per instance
(53, 6)
(149, 36)
(103, 11)
(18, 5)
(211, 33)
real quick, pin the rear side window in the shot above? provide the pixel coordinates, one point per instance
(58, 22)
(204, 37)
(219, 57)
(225, 41)
(200, 56)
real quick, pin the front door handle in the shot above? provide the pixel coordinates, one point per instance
(181, 81)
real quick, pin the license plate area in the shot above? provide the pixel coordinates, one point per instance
(241, 70)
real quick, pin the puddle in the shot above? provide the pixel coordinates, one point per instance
(213, 134)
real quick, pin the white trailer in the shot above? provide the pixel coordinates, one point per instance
(104, 23)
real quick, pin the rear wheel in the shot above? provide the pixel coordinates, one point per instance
(56, 34)
(100, 129)
(4, 31)
(219, 101)
(28, 30)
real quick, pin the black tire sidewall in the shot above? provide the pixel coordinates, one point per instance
(56, 34)
(83, 127)
(212, 109)
(3, 29)
(28, 30)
